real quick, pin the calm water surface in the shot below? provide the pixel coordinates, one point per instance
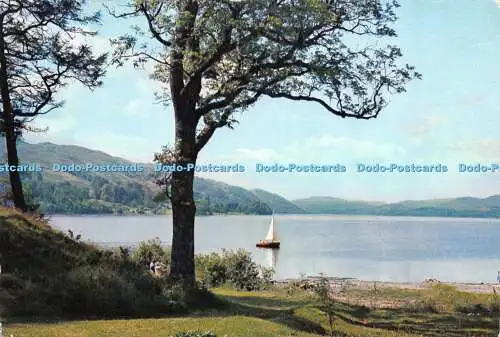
(364, 247)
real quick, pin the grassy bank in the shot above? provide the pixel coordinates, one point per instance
(50, 274)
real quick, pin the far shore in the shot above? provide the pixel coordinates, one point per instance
(316, 215)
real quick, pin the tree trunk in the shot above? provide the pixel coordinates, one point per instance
(9, 129)
(183, 207)
(15, 178)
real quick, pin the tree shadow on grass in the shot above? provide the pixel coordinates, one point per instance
(280, 311)
(426, 324)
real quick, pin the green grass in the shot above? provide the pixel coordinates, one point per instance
(274, 313)
(249, 314)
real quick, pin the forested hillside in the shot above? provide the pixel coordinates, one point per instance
(115, 192)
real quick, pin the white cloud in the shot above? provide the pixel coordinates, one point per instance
(325, 149)
(100, 44)
(134, 107)
(66, 122)
(133, 148)
(425, 127)
(257, 154)
(345, 147)
(61, 128)
(481, 149)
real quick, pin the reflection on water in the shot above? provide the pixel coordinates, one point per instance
(363, 247)
(272, 258)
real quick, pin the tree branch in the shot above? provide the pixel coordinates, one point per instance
(152, 29)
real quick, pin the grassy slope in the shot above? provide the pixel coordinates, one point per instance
(47, 274)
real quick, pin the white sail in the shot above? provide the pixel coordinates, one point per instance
(272, 234)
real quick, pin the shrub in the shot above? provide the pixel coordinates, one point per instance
(441, 297)
(232, 268)
(151, 250)
(99, 291)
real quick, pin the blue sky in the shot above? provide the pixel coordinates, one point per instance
(450, 116)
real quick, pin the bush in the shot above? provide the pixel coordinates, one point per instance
(151, 250)
(232, 268)
(99, 291)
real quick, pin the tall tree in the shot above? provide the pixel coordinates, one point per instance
(217, 57)
(39, 54)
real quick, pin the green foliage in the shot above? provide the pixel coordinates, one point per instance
(28, 198)
(217, 197)
(151, 250)
(279, 41)
(40, 51)
(203, 207)
(232, 268)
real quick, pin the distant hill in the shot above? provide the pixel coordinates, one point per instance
(278, 203)
(217, 197)
(125, 193)
(329, 205)
(454, 207)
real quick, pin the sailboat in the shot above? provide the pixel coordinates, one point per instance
(271, 240)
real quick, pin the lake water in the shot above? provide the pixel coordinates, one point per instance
(395, 249)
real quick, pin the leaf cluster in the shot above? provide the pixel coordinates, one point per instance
(43, 48)
(218, 57)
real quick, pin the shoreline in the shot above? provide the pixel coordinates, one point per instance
(353, 283)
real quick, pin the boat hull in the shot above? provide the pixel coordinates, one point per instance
(268, 244)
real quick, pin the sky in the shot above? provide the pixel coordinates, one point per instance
(451, 116)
